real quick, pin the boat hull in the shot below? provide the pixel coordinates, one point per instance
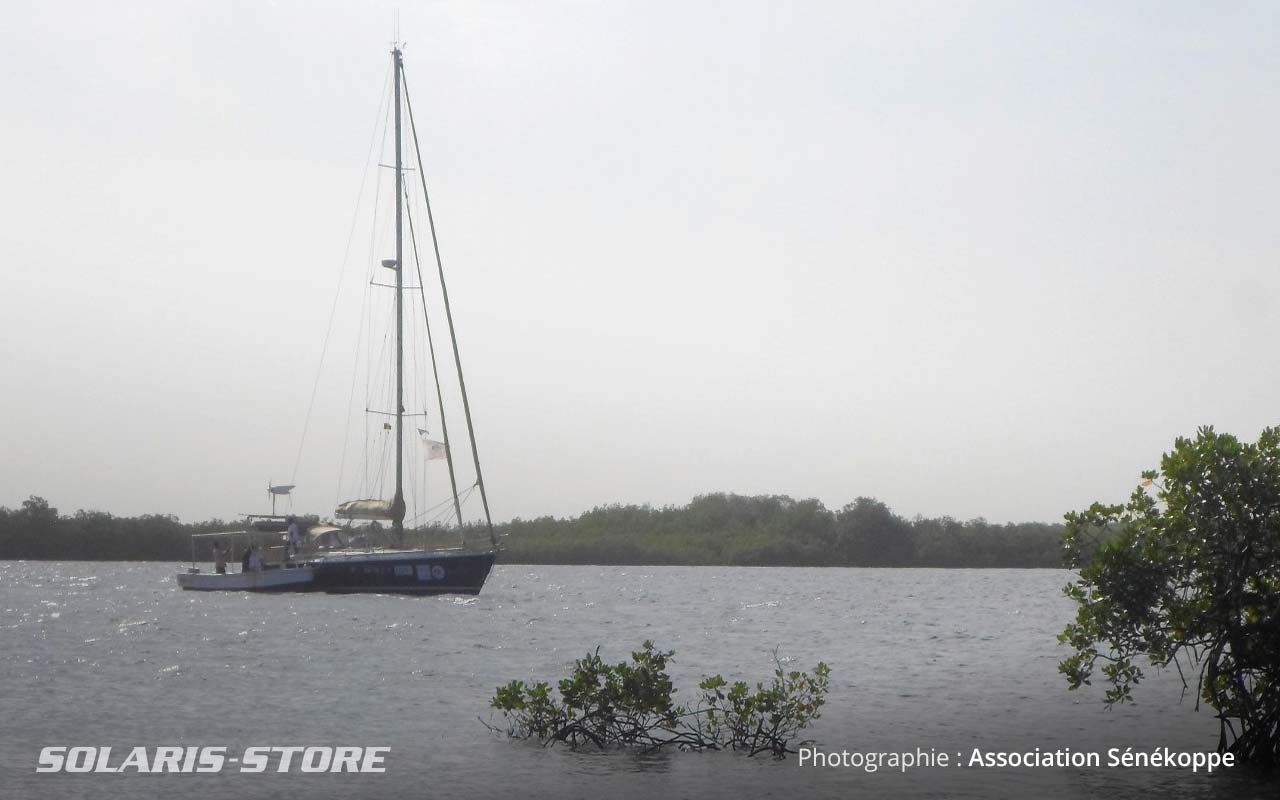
(421, 572)
(297, 579)
(409, 572)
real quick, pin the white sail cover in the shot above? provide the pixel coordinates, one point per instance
(326, 537)
(364, 509)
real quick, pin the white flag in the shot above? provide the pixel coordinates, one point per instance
(435, 450)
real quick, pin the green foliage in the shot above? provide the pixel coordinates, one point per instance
(775, 530)
(767, 719)
(1187, 574)
(767, 530)
(37, 531)
(631, 704)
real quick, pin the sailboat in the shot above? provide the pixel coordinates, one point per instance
(298, 554)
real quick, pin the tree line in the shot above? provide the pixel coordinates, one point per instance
(776, 530)
(713, 529)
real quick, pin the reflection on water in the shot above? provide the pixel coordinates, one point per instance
(115, 655)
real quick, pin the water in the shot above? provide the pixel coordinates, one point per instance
(113, 654)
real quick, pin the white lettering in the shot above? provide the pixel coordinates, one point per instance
(166, 759)
(255, 759)
(373, 758)
(103, 757)
(286, 756)
(50, 759)
(347, 759)
(309, 759)
(137, 759)
(317, 759)
(80, 759)
(211, 759)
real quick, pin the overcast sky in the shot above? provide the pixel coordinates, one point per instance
(977, 259)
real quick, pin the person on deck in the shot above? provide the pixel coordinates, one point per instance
(246, 563)
(294, 539)
(219, 558)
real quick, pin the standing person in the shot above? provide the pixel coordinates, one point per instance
(219, 558)
(294, 538)
(246, 563)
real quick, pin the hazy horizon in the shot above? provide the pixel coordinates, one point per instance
(981, 259)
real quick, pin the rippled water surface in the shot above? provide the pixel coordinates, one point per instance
(113, 654)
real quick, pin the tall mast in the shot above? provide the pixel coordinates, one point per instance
(397, 505)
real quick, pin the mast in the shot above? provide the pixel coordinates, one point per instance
(397, 505)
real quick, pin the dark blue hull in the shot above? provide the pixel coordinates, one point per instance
(414, 572)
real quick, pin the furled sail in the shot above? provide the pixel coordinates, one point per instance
(365, 509)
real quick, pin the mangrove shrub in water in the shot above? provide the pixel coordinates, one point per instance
(1188, 575)
(630, 704)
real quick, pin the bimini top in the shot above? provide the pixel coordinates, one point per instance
(365, 509)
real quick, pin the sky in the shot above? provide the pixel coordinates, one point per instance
(974, 259)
